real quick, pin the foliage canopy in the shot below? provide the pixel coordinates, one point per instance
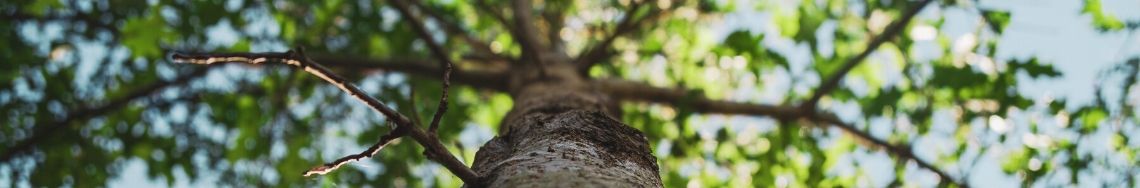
(91, 80)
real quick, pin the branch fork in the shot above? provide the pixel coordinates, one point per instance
(403, 126)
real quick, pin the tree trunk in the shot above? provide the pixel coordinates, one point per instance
(562, 133)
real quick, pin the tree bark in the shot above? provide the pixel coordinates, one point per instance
(562, 132)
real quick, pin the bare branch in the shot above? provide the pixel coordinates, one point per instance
(434, 150)
(400, 131)
(294, 58)
(893, 29)
(437, 50)
(45, 130)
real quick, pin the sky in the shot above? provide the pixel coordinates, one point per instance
(1054, 31)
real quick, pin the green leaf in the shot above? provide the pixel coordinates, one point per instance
(997, 19)
(743, 41)
(1034, 68)
(240, 46)
(1104, 21)
(1016, 161)
(1091, 117)
(39, 7)
(143, 36)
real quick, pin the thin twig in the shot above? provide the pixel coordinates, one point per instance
(47, 129)
(400, 131)
(893, 29)
(295, 58)
(437, 50)
(434, 150)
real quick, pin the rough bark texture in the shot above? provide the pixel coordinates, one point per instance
(562, 133)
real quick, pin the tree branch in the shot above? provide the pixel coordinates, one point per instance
(628, 24)
(527, 34)
(633, 91)
(45, 130)
(400, 131)
(556, 20)
(434, 150)
(493, 79)
(893, 29)
(436, 49)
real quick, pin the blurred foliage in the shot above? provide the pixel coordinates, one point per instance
(250, 126)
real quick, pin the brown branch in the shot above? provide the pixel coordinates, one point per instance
(493, 79)
(526, 32)
(628, 24)
(437, 50)
(45, 130)
(556, 20)
(434, 150)
(893, 29)
(634, 91)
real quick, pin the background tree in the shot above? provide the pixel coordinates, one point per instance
(87, 90)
